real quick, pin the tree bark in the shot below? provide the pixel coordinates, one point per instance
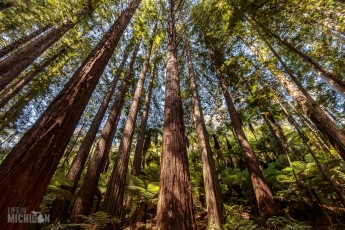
(278, 142)
(141, 138)
(232, 165)
(17, 44)
(320, 167)
(84, 200)
(262, 191)
(29, 167)
(12, 90)
(68, 151)
(18, 61)
(113, 200)
(335, 82)
(175, 202)
(323, 143)
(60, 205)
(147, 145)
(214, 201)
(309, 106)
(12, 114)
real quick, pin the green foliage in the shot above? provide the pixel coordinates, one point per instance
(55, 190)
(234, 219)
(316, 28)
(138, 188)
(283, 223)
(98, 220)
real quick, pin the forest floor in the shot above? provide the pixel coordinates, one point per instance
(300, 217)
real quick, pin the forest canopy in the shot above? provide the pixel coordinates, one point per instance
(150, 114)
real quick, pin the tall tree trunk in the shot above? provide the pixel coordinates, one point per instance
(335, 82)
(113, 200)
(309, 106)
(175, 202)
(214, 201)
(60, 205)
(12, 90)
(278, 142)
(84, 200)
(219, 151)
(35, 89)
(17, 44)
(305, 140)
(232, 165)
(68, 151)
(279, 132)
(262, 191)
(29, 167)
(18, 61)
(12, 114)
(322, 140)
(141, 137)
(323, 143)
(147, 145)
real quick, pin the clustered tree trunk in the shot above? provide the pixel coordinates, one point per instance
(28, 169)
(331, 79)
(113, 199)
(83, 202)
(13, 89)
(262, 191)
(144, 117)
(60, 205)
(18, 61)
(20, 42)
(309, 106)
(30, 165)
(212, 188)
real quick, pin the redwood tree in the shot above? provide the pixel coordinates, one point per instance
(18, 61)
(17, 44)
(84, 200)
(334, 81)
(309, 106)
(263, 194)
(13, 89)
(144, 117)
(60, 205)
(175, 202)
(30, 165)
(113, 199)
(212, 188)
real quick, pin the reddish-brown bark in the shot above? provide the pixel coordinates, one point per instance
(309, 106)
(113, 200)
(18, 61)
(175, 202)
(17, 44)
(335, 82)
(141, 137)
(84, 200)
(27, 170)
(305, 141)
(60, 205)
(262, 191)
(147, 145)
(13, 89)
(214, 201)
